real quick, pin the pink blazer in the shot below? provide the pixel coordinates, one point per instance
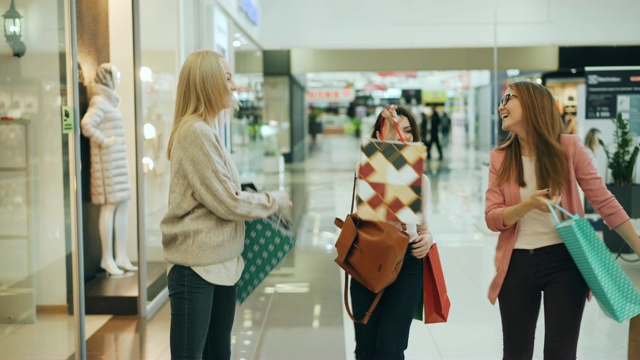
(581, 172)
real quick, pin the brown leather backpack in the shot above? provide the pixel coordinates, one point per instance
(372, 252)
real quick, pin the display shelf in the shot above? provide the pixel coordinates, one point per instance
(118, 295)
(17, 284)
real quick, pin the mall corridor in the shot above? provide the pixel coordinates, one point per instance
(298, 313)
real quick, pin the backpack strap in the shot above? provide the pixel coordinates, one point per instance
(367, 315)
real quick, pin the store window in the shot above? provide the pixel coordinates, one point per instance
(159, 31)
(36, 288)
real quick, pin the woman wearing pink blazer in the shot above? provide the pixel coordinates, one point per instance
(534, 165)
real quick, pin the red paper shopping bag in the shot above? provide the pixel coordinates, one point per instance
(436, 300)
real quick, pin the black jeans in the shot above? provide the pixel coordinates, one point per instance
(551, 270)
(386, 335)
(201, 316)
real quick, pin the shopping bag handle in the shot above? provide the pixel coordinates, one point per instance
(395, 125)
(555, 216)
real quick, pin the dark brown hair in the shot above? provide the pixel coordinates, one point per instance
(543, 127)
(401, 112)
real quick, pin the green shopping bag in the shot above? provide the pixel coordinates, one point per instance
(616, 295)
(267, 242)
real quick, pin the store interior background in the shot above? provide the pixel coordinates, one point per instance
(359, 54)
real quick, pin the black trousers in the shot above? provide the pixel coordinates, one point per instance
(386, 335)
(434, 140)
(201, 316)
(550, 270)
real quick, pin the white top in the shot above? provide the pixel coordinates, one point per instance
(226, 274)
(537, 228)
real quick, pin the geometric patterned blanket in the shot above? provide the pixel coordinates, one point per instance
(389, 186)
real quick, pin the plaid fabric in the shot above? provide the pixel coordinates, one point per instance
(615, 293)
(390, 181)
(267, 242)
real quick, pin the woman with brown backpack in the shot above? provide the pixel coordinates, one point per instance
(386, 334)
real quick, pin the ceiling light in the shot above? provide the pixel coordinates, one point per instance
(146, 74)
(513, 72)
(237, 43)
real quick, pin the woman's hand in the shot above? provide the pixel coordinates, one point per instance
(421, 244)
(282, 199)
(539, 200)
(389, 112)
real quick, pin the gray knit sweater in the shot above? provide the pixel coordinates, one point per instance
(204, 224)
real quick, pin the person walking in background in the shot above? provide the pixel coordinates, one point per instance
(535, 165)
(597, 153)
(203, 229)
(599, 159)
(386, 335)
(434, 136)
(424, 122)
(446, 129)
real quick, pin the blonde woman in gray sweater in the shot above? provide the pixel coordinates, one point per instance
(203, 230)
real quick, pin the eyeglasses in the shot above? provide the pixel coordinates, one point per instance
(505, 99)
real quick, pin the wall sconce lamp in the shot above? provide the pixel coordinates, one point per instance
(13, 31)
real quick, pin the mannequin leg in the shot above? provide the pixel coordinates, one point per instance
(106, 237)
(122, 259)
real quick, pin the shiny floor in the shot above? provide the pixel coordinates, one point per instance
(298, 313)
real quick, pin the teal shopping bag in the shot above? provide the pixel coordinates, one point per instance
(615, 293)
(267, 242)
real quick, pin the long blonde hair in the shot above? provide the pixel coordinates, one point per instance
(591, 140)
(202, 91)
(543, 126)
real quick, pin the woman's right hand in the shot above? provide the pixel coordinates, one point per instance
(540, 198)
(282, 198)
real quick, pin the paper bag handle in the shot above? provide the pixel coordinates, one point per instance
(555, 216)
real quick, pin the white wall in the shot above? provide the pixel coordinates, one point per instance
(377, 24)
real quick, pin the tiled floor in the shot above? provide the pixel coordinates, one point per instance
(298, 313)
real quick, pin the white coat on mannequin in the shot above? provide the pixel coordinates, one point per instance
(110, 186)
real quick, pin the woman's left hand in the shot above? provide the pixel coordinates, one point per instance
(421, 244)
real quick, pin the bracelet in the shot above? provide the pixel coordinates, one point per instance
(515, 211)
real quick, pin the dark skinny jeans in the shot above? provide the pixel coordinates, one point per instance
(386, 335)
(202, 316)
(551, 270)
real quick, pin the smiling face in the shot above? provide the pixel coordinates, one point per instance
(510, 110)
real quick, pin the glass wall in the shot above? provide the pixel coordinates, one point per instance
(160, 64)
(36, 287)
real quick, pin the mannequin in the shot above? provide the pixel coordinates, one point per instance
(110, 186)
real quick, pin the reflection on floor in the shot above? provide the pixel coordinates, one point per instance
(51, 337)
(298, 313)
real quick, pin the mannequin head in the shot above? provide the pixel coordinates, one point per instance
(107, 75)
